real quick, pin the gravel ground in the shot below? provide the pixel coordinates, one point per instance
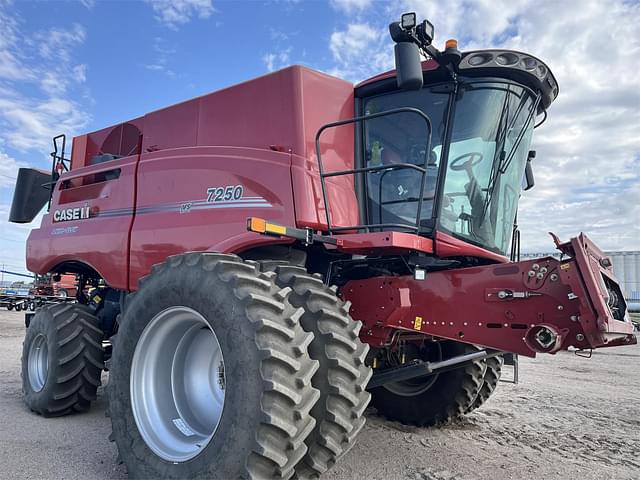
(569, 417)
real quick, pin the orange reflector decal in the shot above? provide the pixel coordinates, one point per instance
(258, 225)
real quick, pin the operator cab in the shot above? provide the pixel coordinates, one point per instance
(458, 168)
(483, 126)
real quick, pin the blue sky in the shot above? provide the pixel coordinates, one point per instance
(136, 62)
(76, 66)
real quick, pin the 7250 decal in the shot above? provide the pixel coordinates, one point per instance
(224, 194)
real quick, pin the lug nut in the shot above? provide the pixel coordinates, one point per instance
(579, 337)
(535, 267)
(540, 275)
(531, 273)
(553, 277)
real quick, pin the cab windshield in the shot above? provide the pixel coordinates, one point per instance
(491, 125)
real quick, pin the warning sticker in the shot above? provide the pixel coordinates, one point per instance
(186, 431)
(417, 323)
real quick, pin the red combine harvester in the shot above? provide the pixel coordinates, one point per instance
(55, 285)
(270, 257)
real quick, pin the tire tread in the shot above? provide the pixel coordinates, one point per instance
(76, 341)
(342, 376)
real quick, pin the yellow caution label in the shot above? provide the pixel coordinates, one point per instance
(565, 266)
(97, 299)
(417, 323)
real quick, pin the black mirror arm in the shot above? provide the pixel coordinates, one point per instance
(399, 34)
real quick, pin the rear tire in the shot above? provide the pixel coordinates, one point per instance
(264, 374)
(342, 377)
(489, 381)
(442, 400)
(62, 360)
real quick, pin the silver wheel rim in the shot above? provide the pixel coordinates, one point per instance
(38, 362)
(177, 384)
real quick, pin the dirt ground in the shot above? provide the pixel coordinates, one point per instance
(569, 418)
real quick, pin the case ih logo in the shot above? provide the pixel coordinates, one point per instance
(79, 213)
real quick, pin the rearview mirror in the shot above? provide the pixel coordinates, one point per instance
(408, 66)
(529, 181)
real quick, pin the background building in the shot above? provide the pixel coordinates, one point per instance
(626, 266)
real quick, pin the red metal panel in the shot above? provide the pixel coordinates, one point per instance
(448, 246)
(324, 99)
(100, 241)
(309, 204)
(175, 215)
(79, 152)
(383, 243)
(466, 305)
(95, 141)
(172, 127)
(592, 266)
(259, 113)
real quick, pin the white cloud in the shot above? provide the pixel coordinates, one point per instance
(277, 60)
(46, 60)
(351, 6)
(163, 55)
(80, 73)
(11, 69)
(8, 170)
(173, 13)
(10, 66)
(360, 50)
(52, 84)
(59, 43)
(39, 78)
(30, 123)
(348, 44)
(269, 60)
(588, 164)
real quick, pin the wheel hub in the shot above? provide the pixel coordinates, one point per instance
(177, 384)
(38, 362)
(416, 386)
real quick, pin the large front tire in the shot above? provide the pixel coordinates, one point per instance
(245, 414)
(434, 400)
(62, 360)
(342, 377)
